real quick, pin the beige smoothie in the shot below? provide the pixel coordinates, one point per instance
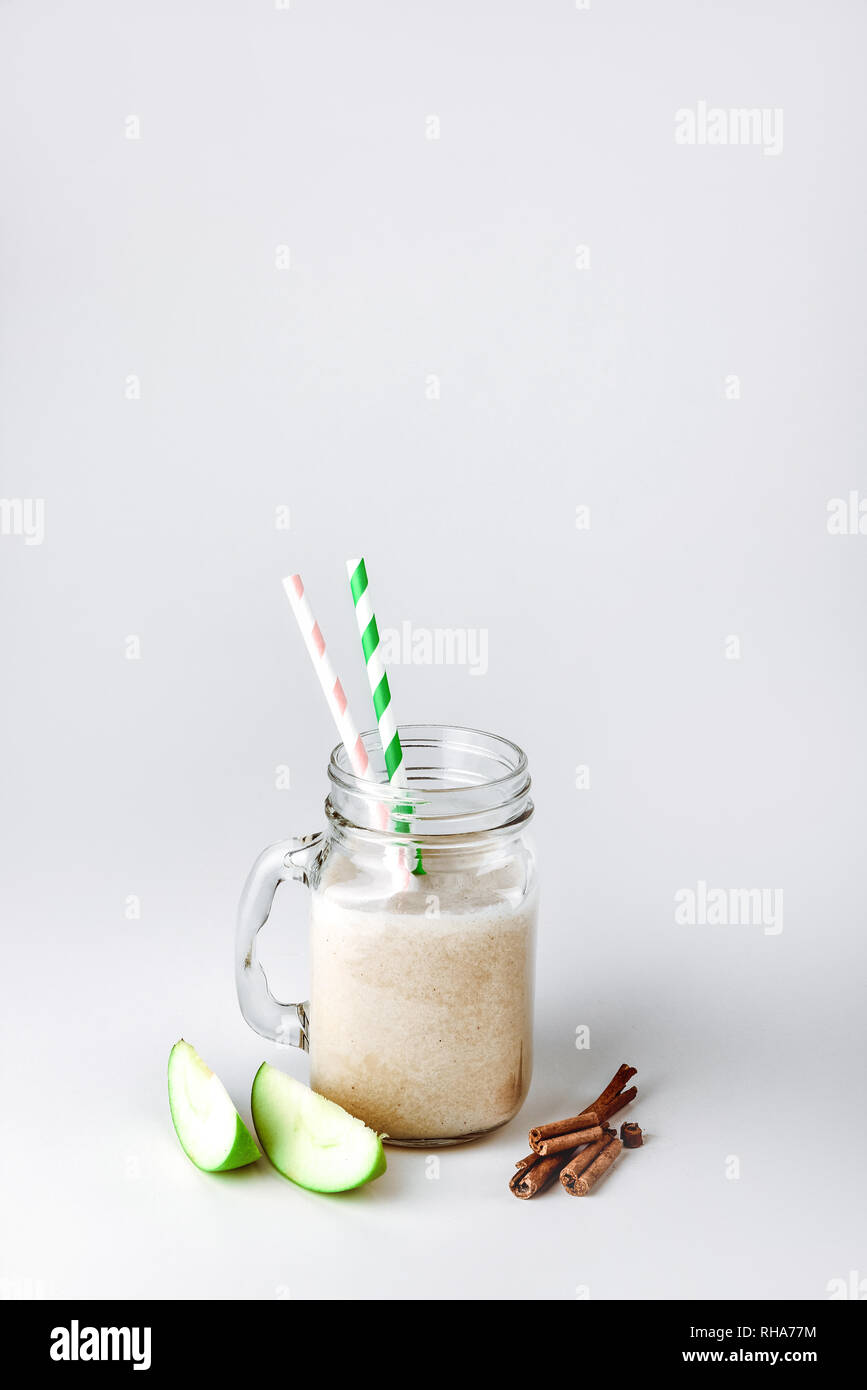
(421, 1005)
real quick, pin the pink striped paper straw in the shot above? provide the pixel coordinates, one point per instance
(331, 687)
(333, 691)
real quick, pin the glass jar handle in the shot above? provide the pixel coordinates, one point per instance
(290, 859)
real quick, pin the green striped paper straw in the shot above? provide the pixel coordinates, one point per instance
(377, 678)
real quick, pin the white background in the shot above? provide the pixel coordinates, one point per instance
(307, 387)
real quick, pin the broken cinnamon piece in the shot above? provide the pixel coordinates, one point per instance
(529, 1181)
(600, 1165)
(525, 1162)
(560, 1143)
(583, 1121)
(576, 1166)
(631, 1135)
(619, 1102)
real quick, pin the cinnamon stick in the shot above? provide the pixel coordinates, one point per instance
(585, 1120)
(522, 1167)
(600, 1165)
(560, 1143)
(620, 1101)
(614, 1087)
(573, 1170)
(631, 1135)
(534, 1178)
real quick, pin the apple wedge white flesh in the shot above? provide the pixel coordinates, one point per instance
(312, 1140)
(212, 1133)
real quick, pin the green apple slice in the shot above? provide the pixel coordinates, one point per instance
(211, 1131)
(312, 1140)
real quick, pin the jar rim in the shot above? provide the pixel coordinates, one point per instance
(472, 780)
(414, 736)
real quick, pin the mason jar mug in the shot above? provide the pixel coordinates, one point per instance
(423, 903)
